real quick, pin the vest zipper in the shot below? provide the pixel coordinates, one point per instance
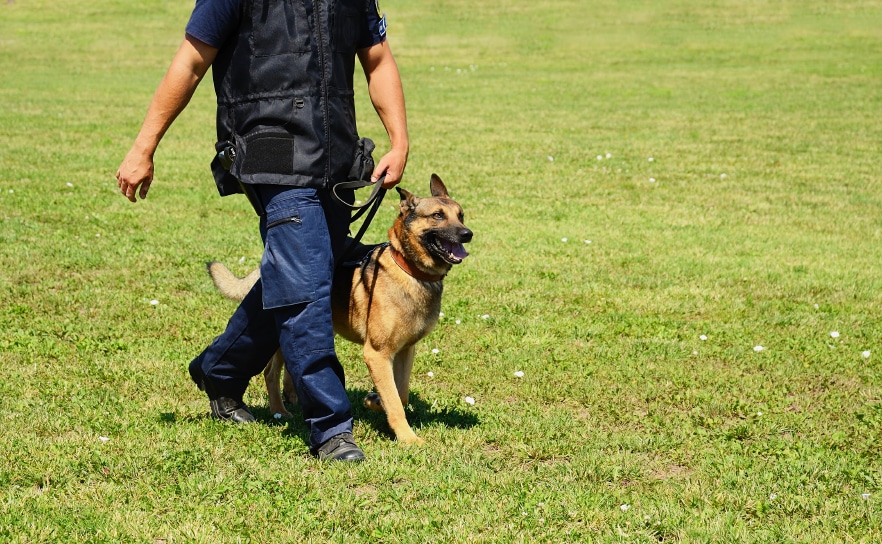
(323, 66)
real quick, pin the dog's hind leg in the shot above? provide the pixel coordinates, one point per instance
(288, 390)
(272, 375)
(380, 365)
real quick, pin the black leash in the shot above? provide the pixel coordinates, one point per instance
(371, 207)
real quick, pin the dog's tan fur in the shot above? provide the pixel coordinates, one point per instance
(381, 306)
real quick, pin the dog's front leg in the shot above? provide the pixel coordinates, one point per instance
(380, 366)
(401, 367)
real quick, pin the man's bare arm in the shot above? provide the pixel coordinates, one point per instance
(187, 69)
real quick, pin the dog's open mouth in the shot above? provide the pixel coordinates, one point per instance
(450, 252)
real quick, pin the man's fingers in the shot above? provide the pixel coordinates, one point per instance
(390, 182)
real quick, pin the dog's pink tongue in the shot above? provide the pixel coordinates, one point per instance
(459, 251)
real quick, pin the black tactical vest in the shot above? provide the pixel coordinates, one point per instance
(284, 91)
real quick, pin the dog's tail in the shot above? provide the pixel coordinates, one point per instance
(229, 284)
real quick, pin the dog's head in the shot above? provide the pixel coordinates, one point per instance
(429, 232)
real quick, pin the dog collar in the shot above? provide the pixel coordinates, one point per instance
(412, 271)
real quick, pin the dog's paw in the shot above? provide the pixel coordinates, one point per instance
(412, 439)
(373, 402)
(283, 414)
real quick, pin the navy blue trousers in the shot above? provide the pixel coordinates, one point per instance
(290, 307)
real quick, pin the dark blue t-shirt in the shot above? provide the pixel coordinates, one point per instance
(214, 21)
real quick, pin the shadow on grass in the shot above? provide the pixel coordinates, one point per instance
(418, 412)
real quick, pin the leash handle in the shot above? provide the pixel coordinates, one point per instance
(358, 184)
(372, 205)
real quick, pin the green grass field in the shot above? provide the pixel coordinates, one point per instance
(657, 189)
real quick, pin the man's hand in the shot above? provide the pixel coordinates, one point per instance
(392, 166)
(135, 171)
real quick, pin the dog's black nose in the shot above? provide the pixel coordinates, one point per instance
(465, 236)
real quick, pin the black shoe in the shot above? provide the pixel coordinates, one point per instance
(223, 408)
(340, 448)
(229, 409)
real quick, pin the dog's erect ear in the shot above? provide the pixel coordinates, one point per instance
(437, 187)
(407, 199)
(403, 193)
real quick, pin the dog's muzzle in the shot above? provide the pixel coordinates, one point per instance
(449, 245)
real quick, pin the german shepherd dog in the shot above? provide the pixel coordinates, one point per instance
(387, 303)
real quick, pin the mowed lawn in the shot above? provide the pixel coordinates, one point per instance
(668, 329)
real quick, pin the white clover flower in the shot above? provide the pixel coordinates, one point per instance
(103, 438)
(865, 354)
(587, 241)
(609, 155)
(651, 159)
(436, 351)
(758, 348)
(485, 316)
(702, 337)
(563, 239)
(550, 158)
(651, 180)
(458, 321)
(625, 507)
(834, 334)
(69, 184)
(470, 400)
(865, 496)
(430, 374)
(519, 374)
(440, 314)
(773, 496)
(722, 176)
(154, 302)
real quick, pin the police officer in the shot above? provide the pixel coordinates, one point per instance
(283, 75)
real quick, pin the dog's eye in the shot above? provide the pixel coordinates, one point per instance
(438, 215)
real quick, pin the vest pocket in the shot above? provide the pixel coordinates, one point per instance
(268, 153)
(279, 27)
(348, 24)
